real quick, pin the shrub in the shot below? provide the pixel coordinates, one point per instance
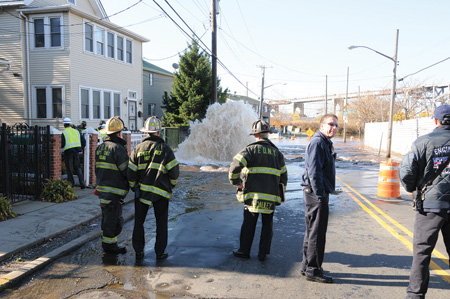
(56, 190)
(6, 211)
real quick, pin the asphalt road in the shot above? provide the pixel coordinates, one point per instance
(368, 249)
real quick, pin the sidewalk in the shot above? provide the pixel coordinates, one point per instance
(39, 221)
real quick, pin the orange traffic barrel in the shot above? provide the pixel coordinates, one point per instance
(292, 137)
(388, 181)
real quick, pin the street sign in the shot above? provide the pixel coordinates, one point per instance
(309, 132)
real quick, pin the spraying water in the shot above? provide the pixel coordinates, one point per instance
(221, 135)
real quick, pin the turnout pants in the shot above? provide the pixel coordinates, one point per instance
(112, 223)
(161, 211)
(426, 232)
(248, 232)
(72, 161)
(316, 222)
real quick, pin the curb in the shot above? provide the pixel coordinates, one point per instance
(15, 277)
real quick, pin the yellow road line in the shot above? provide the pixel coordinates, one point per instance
(406, 242)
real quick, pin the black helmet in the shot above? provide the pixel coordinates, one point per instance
(260, 126)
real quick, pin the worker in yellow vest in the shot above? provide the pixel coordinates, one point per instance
(72, 142)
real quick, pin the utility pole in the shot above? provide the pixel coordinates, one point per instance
(261, 104)
(344, 112)
(391, 108)
(214, 51)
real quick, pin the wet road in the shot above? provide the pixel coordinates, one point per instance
(367, 249)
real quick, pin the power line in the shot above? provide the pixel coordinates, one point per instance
(424, 69)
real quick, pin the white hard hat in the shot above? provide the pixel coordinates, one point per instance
(151, 125)
(67, 121)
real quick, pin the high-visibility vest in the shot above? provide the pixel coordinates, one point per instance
(72, 137)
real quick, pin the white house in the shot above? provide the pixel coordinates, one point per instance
(64, 58)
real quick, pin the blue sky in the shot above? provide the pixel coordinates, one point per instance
(300, 41)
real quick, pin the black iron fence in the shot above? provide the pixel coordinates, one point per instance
(24, 161)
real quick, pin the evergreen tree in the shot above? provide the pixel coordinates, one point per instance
(191, 89)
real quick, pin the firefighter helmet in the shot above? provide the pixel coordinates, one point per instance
(113, 125)
(67, 121)
(151, 125)
(260, 126)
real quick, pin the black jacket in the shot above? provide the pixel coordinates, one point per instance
(320, 167)
(260, 167)
(427, 152)
(111, 164)
(155, 169)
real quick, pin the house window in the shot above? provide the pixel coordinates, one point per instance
(107, 105)
(99, 104)
(151, 109)
(150, 79)
(96, 104)
(72, 1)
(46, 32)
(48, 101)
(100, 41)
(129, 51)
(120, 48)
(55, 32)
(84, 94)
(110, 45)
(39, 35)
(116, 104)
(132, 95)
(88, 38)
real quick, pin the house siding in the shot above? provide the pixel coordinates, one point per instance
(153, 94)
(90, 70)
(11, 87)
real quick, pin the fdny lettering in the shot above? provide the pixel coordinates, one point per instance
(266, 151)
(102, 154)
(146, 154)
(265, 205)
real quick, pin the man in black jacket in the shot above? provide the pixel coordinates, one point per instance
(319, 181)
(111, 164)
(257, 172)
(427, 153)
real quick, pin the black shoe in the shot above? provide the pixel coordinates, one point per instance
(162, 255)
(319, 278)
(116, 250)
(302, 273)
(83, 186)
(241, 255)
(261, 257)
(139, 255)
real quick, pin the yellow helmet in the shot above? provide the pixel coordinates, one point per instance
(113, 125)
(151, 125)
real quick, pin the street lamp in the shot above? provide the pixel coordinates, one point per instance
(391, 110)
(261, 104)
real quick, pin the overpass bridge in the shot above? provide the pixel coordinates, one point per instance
(335, 102)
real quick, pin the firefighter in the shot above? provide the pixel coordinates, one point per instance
(257, 172)
(111, 163)
(153, 173)
(72, 144)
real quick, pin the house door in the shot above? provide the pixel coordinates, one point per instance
(132, 115)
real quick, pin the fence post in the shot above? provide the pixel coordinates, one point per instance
(37, 163)
(55, 154)
(5, 160)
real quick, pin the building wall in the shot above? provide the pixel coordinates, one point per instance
(11, 87)
(90, 70)
(154, 93)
